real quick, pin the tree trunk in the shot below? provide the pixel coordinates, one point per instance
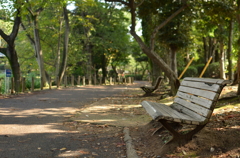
(150, 51)
(38, 50)
(229, 50)
(58, 57)
(10, 51)
(65, 46)
(174, 60)
(238, 64)
(205, 48)
(156, 72)
(104, 69)
(221, 61)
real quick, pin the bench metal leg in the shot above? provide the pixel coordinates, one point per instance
(181, 139)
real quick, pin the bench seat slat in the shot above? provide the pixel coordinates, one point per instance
(162, 111)
(206, 94)
(201, 101)
(202, 85)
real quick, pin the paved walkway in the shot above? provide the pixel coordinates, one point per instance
(32, 125)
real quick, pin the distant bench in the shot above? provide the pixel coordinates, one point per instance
(193, 105)
(149, 90)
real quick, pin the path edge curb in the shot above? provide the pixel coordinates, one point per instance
(131, 152)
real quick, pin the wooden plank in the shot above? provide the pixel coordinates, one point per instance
(199, 92)
(194, 107)
(188, 112)
(202, 85)
(209, 80)
(162, 111)
(168, 112)
(201, 101)
(155, 111)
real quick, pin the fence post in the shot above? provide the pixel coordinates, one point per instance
(32, 84)
(58, 84)
(100, 82)
(0, 85)
(78, 81)
(12, 89)
(114, 80)
(110, 81)
(84, 83)
(65, 81)
(23, 84)
(72, 80)
(95, 79)
(41, 83)
(90, 79)
(50, 83)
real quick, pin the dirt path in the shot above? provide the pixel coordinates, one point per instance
(32, 125)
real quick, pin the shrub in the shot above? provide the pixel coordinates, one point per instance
(136, 77)
(199, 68)
(28, 80)
(2, 83)
(191, 72)
(213, 70)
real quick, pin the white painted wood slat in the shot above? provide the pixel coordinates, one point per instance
(206, 94)
(202, 85)
(201, 101)
(169, 112)
(189, 112)
(209, 80)
(162, 111)
(194, 107)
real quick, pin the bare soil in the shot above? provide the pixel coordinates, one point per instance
(106, 117)
(220, 138)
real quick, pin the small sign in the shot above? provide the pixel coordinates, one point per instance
(8, 73)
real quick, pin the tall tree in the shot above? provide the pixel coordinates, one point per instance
(10, 51)
(150, 50)
(34, 10)
(65, 46)
(238, 62)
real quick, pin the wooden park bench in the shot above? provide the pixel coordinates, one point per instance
(149, 90)
(193, 105)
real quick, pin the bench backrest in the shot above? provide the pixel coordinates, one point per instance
(158, 81)
(197, 97)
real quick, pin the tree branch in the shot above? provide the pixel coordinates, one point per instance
(16, 25)
(4, 36)
(27, 34)
(4, 51)
(164, 23)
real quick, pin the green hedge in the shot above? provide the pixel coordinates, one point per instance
(136, 77)
(213, 70)
(28, 80)
(191, 72)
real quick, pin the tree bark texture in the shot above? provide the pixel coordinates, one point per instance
(229, 50)
(221, 61)
(65, 46)
(150, 51)
(10, 51)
